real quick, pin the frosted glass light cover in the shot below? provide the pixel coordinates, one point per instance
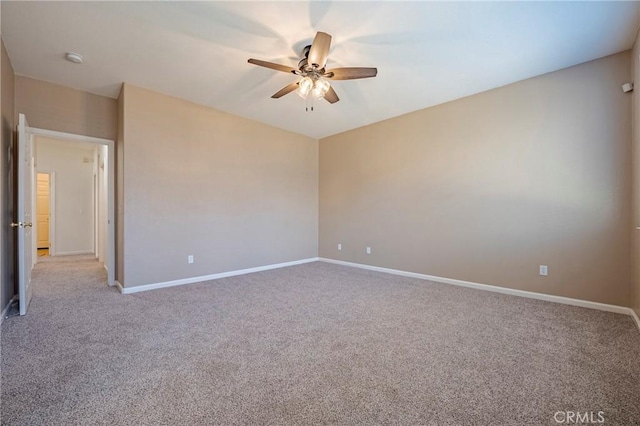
(304, 87)
(320, 88)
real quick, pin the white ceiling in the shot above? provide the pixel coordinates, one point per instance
(426, 53)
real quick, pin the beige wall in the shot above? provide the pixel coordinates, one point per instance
(489, 187)
(7, 178)
(232, 192)
(53, 107)
(72, 163)
(635, 124)
(483, 189)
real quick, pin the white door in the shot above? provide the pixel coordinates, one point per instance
(24, 223)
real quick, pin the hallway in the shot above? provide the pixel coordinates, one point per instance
(66, 275)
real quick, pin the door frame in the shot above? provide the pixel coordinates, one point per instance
(96, 214)
(111, 205)
(52, 211)
(24, 213)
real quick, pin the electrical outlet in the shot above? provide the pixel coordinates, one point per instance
(190, 258)
(368, 250)
(339, 246)
(544, 270)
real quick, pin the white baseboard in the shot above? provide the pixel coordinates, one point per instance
(192, 280)
(522, 293)
(6, 308)
(111, 284)
(71, 253)
(635, 317)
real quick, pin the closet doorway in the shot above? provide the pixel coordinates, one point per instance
(44, 197)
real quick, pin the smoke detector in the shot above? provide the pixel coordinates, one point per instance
(76, 58)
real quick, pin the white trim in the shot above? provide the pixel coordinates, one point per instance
(635, 317)
(72, 253)
(52, 213)
(112, 283)
(6, 308)
(513, 292)
(94, 205)
(67, 136)
(192, 280)
(34, 211)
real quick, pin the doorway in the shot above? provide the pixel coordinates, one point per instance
(81, 183)
(43, 212)
(103, 151)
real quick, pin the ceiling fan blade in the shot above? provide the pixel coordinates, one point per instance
(271, 65)
(352, 73)
(331, 96)
(319, 49)
(285, 90)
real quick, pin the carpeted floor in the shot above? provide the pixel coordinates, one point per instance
(310, 344)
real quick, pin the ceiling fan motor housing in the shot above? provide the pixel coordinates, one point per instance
(309, 70)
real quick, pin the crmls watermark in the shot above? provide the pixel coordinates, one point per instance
(577, 417)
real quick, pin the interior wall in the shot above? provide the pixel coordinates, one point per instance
(489, 187)
(232, 192)
(7, 179)
(635, 124)
(96, 203)
(53, 107)
(119, 196)
(72, 163)
(103, 201)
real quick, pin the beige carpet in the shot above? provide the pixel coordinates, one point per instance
(310, 344)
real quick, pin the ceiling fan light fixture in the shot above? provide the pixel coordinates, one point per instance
(314, 78)
(304, 87)
(320, 88)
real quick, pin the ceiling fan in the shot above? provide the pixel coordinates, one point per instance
(315, 78)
